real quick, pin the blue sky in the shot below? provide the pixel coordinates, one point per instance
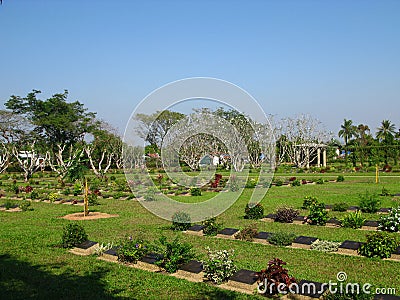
(331, 59)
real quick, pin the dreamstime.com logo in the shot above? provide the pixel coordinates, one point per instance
(195, 133)
(333, 287)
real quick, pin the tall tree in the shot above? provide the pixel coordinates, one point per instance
(385, 135)
(55, 120)
(347, 131)
(363, 138)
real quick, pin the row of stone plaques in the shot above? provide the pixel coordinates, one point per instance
(244, 281)
(303, 242)
(333, 222)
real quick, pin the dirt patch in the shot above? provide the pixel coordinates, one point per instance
(92, 216)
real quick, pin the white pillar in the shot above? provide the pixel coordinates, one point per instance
(318, 157)
(324, 157)
(308, 157)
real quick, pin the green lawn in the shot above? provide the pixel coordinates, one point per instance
(31, 267)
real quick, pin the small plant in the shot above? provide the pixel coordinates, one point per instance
(254, 211)
(118, 195)
(181, 221)
(308, 201)
(251, 183)
(342, 206)
(130, 250)
(385, 192)
(351, 295)
(92, 199)
(78, 188)
(353, 220)
(195, 191)
(391, 222)
(286, 214)
(53, 197)
(278, 182)
(275, 278)
(73, 234)
(211, 227)
(150, 194)
(173, 254)
(28, 189)
(9, 204)
(369, 203)
(319, 181)
(317, 215)
(34, 195)
(248, 233)
(340, 178)
(233, 183)
(101, 248)
(296, 182)
(325, 246)
(219, 266)
(281, 238)
(25, 206)
(379, 244)
(67, 191)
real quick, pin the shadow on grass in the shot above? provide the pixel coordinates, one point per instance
(20, 280)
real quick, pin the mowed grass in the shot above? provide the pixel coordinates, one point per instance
(32, 267)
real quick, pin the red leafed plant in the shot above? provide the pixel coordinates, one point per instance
(215, 183)
(275, 278)
(292, 178)
(28, 189)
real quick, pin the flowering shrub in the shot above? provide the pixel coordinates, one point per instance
(211, 227)
(131, 250)
(390, 222)
(308, 201)
(219, 266)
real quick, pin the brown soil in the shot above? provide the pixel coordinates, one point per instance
(91, 216)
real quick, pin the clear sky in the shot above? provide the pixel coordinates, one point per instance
(332, 59)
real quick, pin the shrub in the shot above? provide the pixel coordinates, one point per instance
(67, 191)
(296, 182)
(281, 238)
(274, 277)
(248, 233)
(286, 214)
(73, 234)
(340, 178)
(325, 246)
(351, 295)
(211, 227)
(278, 182)
(219, 266)
(195, 191)
(369, 203)
(318, 214)
(353, 220)
(308, 201)
(173, 254)
(391, 222)
(78, 188)
(131, 250)
(319, 181)
(25, 206)
(342, 206)
(379, 244)
(254, 211)
(181, 221)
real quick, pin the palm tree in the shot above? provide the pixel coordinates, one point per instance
(363, 133)
(385, 135)
(347, 131)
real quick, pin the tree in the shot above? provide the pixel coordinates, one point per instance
(363, 139)
(347, 131)
(55, 120)
(385, 135)
(153, 128)
(28, 159)
(62, 161)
